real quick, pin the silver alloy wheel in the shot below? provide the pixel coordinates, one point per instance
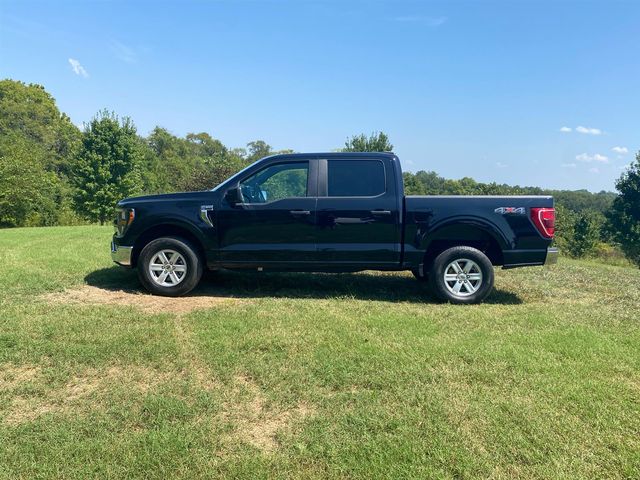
(167, 268)
(463, 277)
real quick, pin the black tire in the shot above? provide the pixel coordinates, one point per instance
(444, 289)
(190, 258)
(421, 278)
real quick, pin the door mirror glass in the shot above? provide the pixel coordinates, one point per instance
(233, 196)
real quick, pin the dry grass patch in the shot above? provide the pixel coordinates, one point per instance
(85, 391)
(257, 424)
(90, 295)
(12, 375)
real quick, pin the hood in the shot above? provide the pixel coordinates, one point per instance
(171, 197)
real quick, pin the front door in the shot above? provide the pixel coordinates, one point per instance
(274, 222)
(358, 213)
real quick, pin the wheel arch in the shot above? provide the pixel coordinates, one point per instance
(474, 233)
(166, 230)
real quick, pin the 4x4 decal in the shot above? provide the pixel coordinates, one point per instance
(511, 210)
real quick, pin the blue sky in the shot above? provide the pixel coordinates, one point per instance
(481, 89)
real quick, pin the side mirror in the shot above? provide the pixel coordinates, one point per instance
(233, 196)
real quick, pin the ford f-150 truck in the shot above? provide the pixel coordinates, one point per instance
(331, 212)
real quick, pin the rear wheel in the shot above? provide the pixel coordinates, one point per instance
(169, 266)
(462, 275)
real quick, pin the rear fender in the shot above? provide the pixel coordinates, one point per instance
(463, 228)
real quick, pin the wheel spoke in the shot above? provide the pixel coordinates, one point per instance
(462, 277)
(168, 268)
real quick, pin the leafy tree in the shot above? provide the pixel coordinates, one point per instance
(258, 149)
(107, 168)
(376, 142)
(37, 145)
(624, 215)
(565, 223)
(585, 235)
(196, 162)
(29, 195)
(30, 112)
(412, 186)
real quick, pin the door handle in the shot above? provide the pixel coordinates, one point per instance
(299, 212)
(381, 212)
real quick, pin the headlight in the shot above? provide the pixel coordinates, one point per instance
(124, 218)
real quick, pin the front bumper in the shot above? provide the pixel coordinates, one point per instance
(121, 255)
(552, 256)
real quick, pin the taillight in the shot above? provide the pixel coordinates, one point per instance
(545, 221)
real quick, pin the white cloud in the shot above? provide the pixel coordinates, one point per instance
(594, 170)
(429, 21)
(596, 157)
(620, 150)
(124, 52)
(569, 165)
(77, 68)
(588, 130)
(501, 165)
(565, 129)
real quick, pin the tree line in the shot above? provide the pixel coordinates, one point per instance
(55, 173)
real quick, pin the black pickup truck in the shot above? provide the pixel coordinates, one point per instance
(331, 212)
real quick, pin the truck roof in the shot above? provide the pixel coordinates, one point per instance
(336, 155)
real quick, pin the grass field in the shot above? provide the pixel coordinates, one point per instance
(314, 376)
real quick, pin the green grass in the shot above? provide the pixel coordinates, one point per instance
(311, 375)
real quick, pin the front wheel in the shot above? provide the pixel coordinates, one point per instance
(462, 275)
(169, 266)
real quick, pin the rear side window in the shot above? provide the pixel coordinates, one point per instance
(355, 178)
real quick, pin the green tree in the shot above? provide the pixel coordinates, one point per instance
(29, 195)
(258, 149)
(31, 113)
(107, 168)
(624, 215)
(565, 223)
(376, 142)
(412, 185)
(196, 162)
(585, 235)
(37, 145)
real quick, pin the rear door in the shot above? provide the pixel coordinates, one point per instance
(357, 213)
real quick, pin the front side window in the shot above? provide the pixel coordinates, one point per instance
(282, 180)
(355, 178)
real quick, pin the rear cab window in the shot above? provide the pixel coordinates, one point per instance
(356, 178)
